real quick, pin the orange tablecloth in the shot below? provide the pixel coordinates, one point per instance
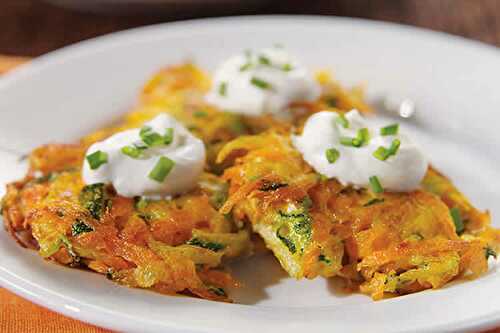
(20, 315)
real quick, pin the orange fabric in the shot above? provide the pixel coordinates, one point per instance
(7, 63)
(20, 315)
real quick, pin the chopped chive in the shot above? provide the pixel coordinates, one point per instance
(375, 185)
(263, 60)
(373, 201)
(132, 151)
(363, 136)
(287, 67)
(457, 220)
(150, 137)
(96, 159)
(223, 88)
(245, 66)
(342, 120)
(390, 130)
(351, 142)
(169, 136)
(213, 246)
(332, 155)
(259, 83)
(383, 153)
(393, 149)
(140, 203)
(161, 169)
(200, 114)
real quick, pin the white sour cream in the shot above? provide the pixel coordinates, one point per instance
(401, 172)
(130, 176)
(266, 81)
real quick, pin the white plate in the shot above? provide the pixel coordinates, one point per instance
(66, 94)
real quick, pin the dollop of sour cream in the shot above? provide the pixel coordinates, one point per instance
(266, 81)
(398, 169)
(160, 170)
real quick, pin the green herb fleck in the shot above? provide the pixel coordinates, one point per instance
(150, 137)
(133, 151)
(259, 83)
(288, 243)
(375, 185)
(332, 155)
(287, 67)
(263, 60)
(223, 88)
(245, 66)
(363, 136)
(383, 153)
(295, 227)
(96, 159)
(457, 220)
(213, 246)
(161, 169)
(200, 114)
(46, 178)
(390, 130)
(342, 120)
(324, 259)
(350, 142)
(140, 203)
(80, 227)
(95, 199)
(373, 201)
(168, 137)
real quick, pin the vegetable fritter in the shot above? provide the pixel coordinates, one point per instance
(254, 181)
(387, 243)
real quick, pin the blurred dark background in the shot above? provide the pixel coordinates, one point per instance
(34, 27)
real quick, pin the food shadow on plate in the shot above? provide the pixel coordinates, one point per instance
(260, 273)
(338, 287)
(255, 275)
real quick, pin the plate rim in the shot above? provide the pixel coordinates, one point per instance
(88, 312)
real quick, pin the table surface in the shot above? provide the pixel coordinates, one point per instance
(31, 28)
